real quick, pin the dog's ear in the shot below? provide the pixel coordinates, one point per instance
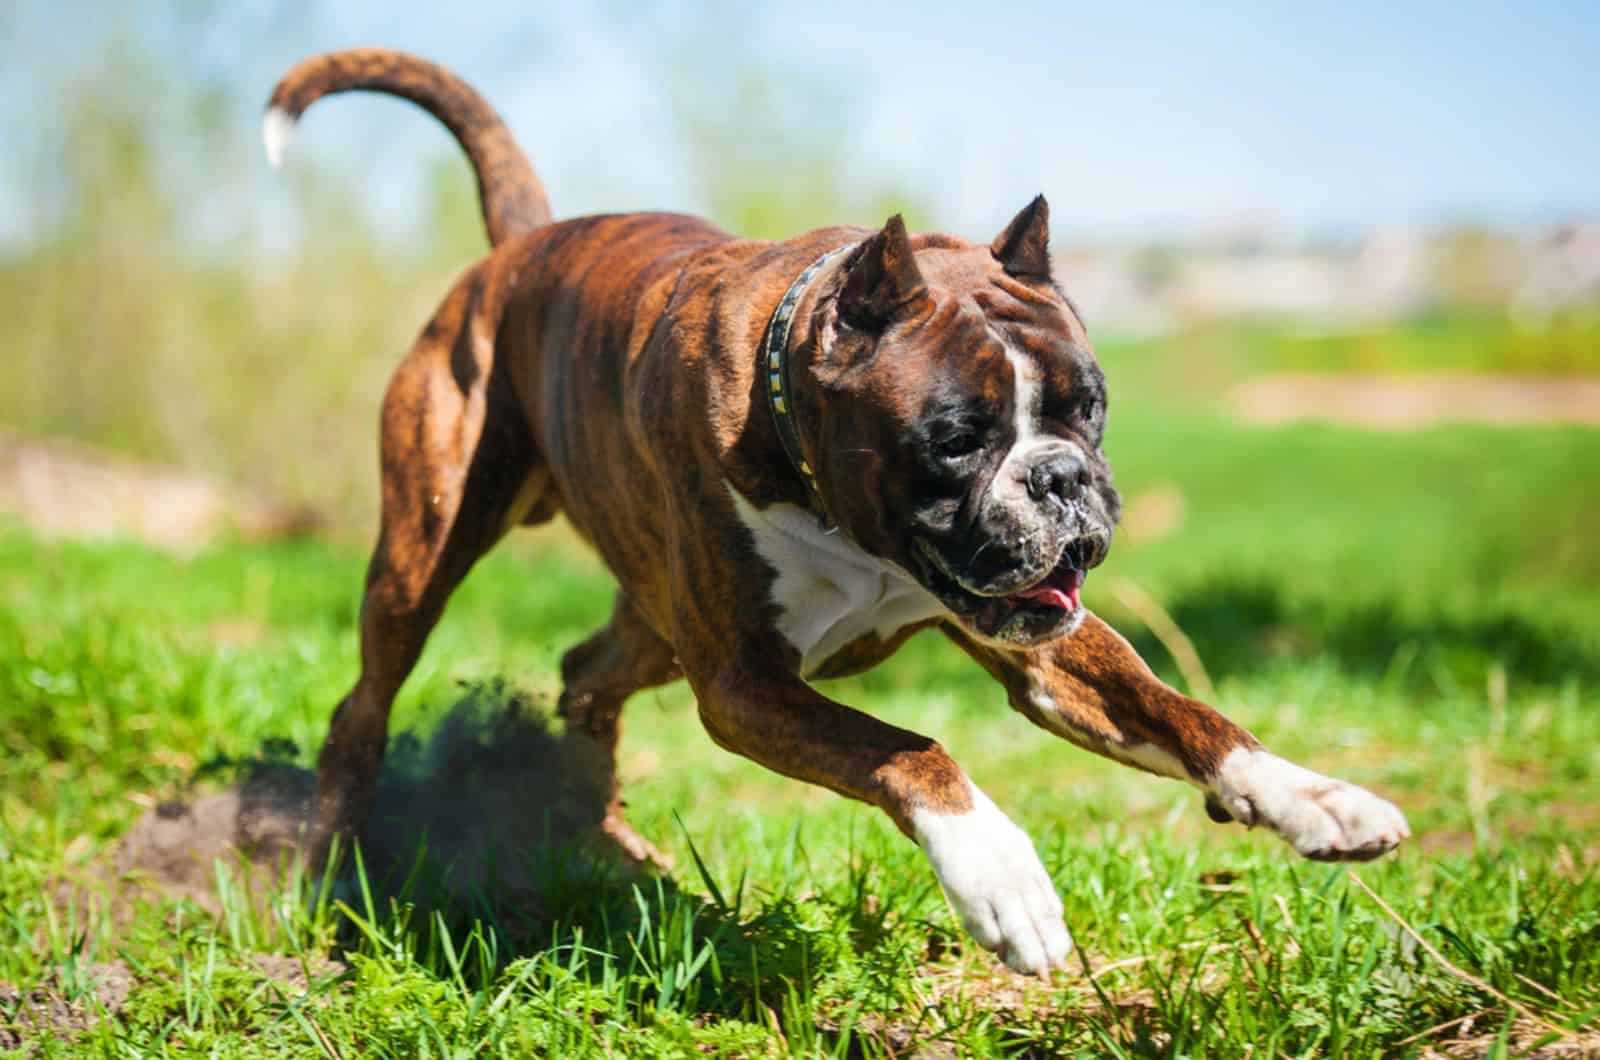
(883, 278)
(1023, 249)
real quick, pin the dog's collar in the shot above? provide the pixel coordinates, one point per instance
(775, 363)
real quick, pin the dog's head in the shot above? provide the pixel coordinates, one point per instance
(957, 413)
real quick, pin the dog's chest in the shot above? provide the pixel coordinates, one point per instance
(829, 593)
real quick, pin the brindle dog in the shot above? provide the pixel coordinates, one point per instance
(792, 456)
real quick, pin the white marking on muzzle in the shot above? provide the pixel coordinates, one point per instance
(1010, 485)
(1029, 400)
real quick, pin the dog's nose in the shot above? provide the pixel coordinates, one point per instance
(1058, 475)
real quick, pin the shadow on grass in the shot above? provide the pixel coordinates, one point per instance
(1241, 626)
(484, 847)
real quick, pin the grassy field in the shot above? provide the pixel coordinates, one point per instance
(1419, 613)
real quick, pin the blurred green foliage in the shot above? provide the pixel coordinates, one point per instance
(161, 313)
(164, 311)
(1564, 343)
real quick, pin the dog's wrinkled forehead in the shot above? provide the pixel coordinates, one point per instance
(978, 322)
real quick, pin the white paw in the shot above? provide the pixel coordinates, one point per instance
(999, 888)
(1322, 818)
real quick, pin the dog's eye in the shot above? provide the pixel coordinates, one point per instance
(964, 443)
(1088, 408)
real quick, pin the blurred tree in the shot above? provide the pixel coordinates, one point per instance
(770, 139)
(174, 299)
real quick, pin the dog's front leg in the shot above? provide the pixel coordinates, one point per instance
(1092, 688)
(985, 863)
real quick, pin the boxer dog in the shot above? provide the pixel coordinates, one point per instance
(792, 456)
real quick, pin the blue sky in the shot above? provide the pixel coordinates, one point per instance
(1148, 120)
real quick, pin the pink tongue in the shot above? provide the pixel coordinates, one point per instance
(1065, 599)
(1054, 597)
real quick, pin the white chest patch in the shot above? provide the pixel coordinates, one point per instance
(828, 591)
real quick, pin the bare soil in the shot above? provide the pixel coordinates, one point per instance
(471, 809)
(494, 782)
(62, 1007)
(1399, 402)
(62, 489)
(59, 1009)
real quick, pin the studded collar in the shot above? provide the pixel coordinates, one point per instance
(775, 366)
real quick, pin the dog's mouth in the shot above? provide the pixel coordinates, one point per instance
(1049, 606)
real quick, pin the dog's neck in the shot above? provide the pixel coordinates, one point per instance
(780, 394)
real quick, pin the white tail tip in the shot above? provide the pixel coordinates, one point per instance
(277, 129)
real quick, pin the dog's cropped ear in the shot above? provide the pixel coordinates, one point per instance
(1023, 249)
(883, 278)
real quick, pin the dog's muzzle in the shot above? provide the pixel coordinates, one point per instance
(1020, 609)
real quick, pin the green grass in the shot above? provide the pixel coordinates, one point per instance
(1416, 613)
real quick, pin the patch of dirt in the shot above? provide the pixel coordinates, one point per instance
(64, 1006)
(241, 632)
(1398, 402)
(252, 826)
(58, 1008)
(1154, 514)
(492, 786)
(63, 489)
(892, 1038)
(294, 973)
(1459, 1042)
(466, 812)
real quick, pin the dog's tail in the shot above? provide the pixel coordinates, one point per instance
(510, 192)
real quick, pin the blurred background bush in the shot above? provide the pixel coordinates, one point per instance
(1373, 191)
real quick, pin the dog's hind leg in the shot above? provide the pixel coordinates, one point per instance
(458, 469)
(598, 676)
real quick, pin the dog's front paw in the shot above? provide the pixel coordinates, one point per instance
(999, 888)
(1322, 818)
